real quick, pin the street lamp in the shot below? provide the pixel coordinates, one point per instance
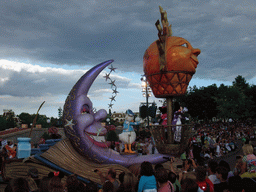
(108, 120)
(48, 121)
(146, 92)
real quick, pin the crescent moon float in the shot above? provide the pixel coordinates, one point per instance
(84, 130)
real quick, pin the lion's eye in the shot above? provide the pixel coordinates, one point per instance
(85, 109)
(184, 45)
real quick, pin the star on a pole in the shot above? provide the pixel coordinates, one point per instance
(115, 91)
(110, 105)
(112, 83)
(106, 76)
(112, 69)
(69, 124)
(112, 98)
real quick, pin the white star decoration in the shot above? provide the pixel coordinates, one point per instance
(69, 124)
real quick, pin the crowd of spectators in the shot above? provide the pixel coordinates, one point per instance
(207, 143)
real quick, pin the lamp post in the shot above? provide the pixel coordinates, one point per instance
(108, 121)
(146, 90)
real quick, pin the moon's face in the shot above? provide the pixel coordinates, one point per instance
(89, 123)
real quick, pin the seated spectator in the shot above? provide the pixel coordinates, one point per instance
(249, 162)
(212, 165)
(235, 184)
(222, 175)
(147, 181)
(203, 183)
(164, 185)
(189, 185)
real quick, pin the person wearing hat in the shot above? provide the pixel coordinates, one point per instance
(128, 135)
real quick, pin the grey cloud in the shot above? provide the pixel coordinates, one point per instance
(82, 32)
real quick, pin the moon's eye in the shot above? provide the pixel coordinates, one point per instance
(85, 109)
(184, 45)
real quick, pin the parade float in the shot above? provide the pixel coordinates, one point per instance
(169, 64)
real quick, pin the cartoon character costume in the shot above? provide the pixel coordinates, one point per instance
(128, 135)
(177, 120)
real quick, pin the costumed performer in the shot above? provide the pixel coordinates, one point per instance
(128, 135)
(177, 120)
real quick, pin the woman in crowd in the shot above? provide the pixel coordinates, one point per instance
(147, 181)
(164, 185)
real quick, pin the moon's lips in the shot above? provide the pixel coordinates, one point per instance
(98, 140)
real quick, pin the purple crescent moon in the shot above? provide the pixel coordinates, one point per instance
(83, 126)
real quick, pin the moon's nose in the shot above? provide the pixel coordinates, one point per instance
(196, 51)
(100, 115)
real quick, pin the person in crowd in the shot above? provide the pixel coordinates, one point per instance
(172, 177)
(11, 149)
(225, 164)
(32, 178)
(212, 165)
(187, 170)
(147, 180)
(91, 187)
(18, 184)
(128, 182)
(203, 183)
(238, 167)
(55, 184)
(164, 185)
(43, 187)
(108, 186)
(111, 176)
(189, 185)
(248, 168)
(235, 184)
(33, 173)
(157, 166)
(73, 184)
(222, 175)
(249, 184)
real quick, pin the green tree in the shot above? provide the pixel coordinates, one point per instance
(240, 83)
(10, 123)
(25, 118)
(3, 123)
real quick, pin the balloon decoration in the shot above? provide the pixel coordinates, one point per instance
(83, 126)
(170, 62)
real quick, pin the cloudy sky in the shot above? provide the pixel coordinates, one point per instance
(46, 46)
